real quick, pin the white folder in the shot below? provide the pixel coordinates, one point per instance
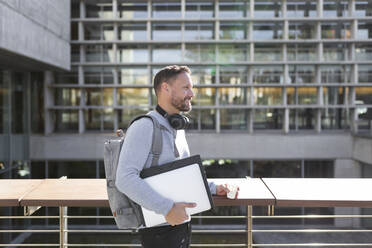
(181, 181)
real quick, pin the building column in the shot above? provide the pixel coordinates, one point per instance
(48, 102)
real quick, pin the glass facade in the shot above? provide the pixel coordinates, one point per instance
(292, 63)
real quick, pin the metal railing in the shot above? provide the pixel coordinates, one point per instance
(246, 231)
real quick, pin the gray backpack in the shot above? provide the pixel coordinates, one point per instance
(127, 214)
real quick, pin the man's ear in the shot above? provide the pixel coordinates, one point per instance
(165, 86)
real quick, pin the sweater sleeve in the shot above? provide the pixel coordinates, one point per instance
(133, 157)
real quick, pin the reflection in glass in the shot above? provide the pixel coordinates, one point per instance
(335, 52)
(233, 96)
(232, 52)
(132, 32)
(125, 115)
(233, 119)
(204, 97)
(93, 97)
(199, 31)
(233, 9)
(267, 31)
(335, 74)
(233, 30)
(363, 52)
(336, 30)
(302, 30)
(132, 9)
(133, 75)
(302, 119)
(267, 96)
(233, 75)
(301, 52)
(99, 53)
(203, 75)
(166, 31)
(67, 97)
(335, 8)
(307, 95)
(99, 9)
(301, 95)
(98, 75)
(75, 53)
(267, 8)
(94, 31)
(167, 53)
(301, 8)
(199, 9)
(334, 95)
(200, 53)
(363, 95)
(166, 9)
(66, 120)
(267, 52)
(268, 119)
(365, 73)
(99, 119)
(202, 119)
(364, 30)
(68, 77)
(133, 96)
(267, 74)
(334, 118)
(300, 74)
(363, 8)
(132, 53)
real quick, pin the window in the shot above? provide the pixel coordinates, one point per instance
(133, 97)
(133, 75)
(267, 74)
(233, 30)
(232, 53)
(267, 52)
(132, 32)
(301, 8)
(233, 119)
(233, 75)
(132, 9)
(166, 9)
(199, 9)
(336, 30)
(233, 9)
(267, 96)
(132, 53)
(364, 30)
(166, 31)
(302, 30)
(301, 52)
(199, 31)
(267, 31)
(268, 119)
(233, 96)
(166, 53)
(267, 8)
(335, 8)
(301, 74)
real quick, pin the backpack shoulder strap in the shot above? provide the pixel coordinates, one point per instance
(157, 139)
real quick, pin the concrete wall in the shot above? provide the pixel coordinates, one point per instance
(37, 30)
(234, 146)
(362, 149)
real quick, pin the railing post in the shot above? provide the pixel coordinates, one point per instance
(249, 227)
(62, 227)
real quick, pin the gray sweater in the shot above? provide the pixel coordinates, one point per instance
(135, 156)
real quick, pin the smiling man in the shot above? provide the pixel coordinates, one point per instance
(173, 88)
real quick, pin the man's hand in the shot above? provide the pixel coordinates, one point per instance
(177, 215)
(224, 189)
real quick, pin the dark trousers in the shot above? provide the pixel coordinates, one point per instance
(166, 236)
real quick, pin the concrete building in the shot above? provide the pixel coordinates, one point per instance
(283, 87)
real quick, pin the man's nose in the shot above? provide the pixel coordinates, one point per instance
(191, 93)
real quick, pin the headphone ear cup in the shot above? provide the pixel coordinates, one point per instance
(178, 121)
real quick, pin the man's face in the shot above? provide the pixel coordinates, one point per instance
(181, 92)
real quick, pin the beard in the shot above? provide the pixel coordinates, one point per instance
(181, 104)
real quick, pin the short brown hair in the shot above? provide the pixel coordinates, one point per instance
(167, 74)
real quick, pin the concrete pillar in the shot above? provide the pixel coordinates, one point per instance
(48, 102)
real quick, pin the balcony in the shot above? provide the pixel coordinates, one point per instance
(67, 230)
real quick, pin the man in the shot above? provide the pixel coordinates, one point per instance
(173, 88)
